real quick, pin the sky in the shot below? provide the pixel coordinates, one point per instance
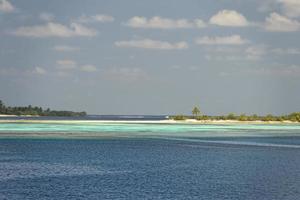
(151, 57)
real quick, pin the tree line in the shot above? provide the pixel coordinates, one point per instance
(196, 114)
(36, 111)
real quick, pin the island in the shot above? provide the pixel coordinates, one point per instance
(231, 117)
(36, 111)
(196, 116)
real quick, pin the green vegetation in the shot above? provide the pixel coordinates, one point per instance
(179, 117)
(196, 111)
(294, 117)
(37, 111)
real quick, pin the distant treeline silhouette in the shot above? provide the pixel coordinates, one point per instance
(36, 111)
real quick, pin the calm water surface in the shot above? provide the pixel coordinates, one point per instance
(135, 162)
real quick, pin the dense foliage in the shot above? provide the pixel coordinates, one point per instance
(37, 111)
(179, 117)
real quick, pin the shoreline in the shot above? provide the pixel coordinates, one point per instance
(3, 115)
(168, 121)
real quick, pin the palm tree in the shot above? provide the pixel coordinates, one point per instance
(2, 106)
(196, 111)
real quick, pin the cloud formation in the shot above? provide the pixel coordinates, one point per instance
(39, 70)
(6, 6)
(66, 66)
(52, 29)
(228, 40)
(158, 22)
(152, 44)
(279, 23)
(229, 18)
(95, 18)
(88, 68)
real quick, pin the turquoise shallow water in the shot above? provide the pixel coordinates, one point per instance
(139, 129)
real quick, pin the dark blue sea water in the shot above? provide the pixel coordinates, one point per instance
(254, 168)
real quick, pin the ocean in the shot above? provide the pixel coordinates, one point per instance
(149, 161)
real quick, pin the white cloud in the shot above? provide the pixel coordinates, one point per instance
(6, 6)
(55, 30)
(65, 48)
(95, 18)
(158, 22)
(66, 64)
(152, 44)
(199, 23)
(229, 18)
(278, 23)
(88, 68)
(39, 70)
(229, 40)
(47, 17)
(291, 8)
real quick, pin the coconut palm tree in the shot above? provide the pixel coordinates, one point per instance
(2, 106)
(196, 111)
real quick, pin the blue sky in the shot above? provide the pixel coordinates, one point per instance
(151, 57)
